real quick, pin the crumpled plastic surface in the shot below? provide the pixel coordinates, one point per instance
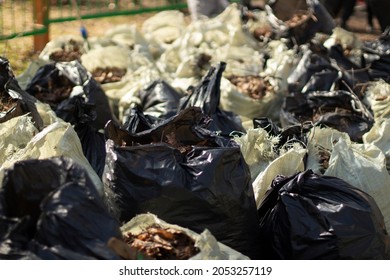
(52, 77)
(379, 137)
(210, 248)
(190, 177)
(81, 115)
(341, 110)
(50, 209)
(206, 95)
(309, 216)
(58, 138)
(159, 99)
(364, 167)
(10, 91)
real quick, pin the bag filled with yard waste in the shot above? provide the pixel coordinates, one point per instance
(64, 48)
(379, 136)
(310, 216)
(21, 140)
(251, 96)
(185, 174)
(361, 165)
(159, 99)
(341, 110)
(380, 46)
(321, 69)
(271, 151)
(380, 69)
(376, 57)
(314, 72)
(137, 121)
(54, 83)
(377, 99)
(286, 135)
(206, 95)
(50, 209)
(164, 241)
(298, 20)
(354, 77)
(14, 101)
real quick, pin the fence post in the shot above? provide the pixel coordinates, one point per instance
(41, 13)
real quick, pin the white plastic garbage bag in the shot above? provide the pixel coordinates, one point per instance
(210, 248)
(58, 138)
(379, 136)
(377, 97)
(126, 35)
(164, 27)
(257, 148)
(364, 167)
(287, 164)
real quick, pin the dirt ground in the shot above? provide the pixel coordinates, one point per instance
(358, 24)
(20, 51)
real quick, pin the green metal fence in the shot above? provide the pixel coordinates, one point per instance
(17, 19)
(20, 18)
(88, 9)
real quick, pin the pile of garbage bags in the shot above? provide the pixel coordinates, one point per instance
(245, 136)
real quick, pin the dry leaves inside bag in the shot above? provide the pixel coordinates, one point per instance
(162, 243)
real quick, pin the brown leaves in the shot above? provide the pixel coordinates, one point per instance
(163, 244)
(108, 74)
(254, 86)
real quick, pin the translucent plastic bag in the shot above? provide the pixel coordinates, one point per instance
(257, 147)
(287, 164)
(56, 139)
(377, 98)
(379, 136)
(364, 167)
(210, 248)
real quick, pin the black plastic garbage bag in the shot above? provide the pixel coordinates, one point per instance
(137, 121)
(51, 209)
(314, 72)
(206, 95)
(186, 175)
(81, 115)
(15, 238)
(340, 110)
(14, 101)
(380, 69)
(160, 100)
(94, 147)
(309, 216)
(76, 218)
(321, 69)
(268, 125)
(376, 56)
(287, 135)
(354, 77)
(56, 82)
(380, 46)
